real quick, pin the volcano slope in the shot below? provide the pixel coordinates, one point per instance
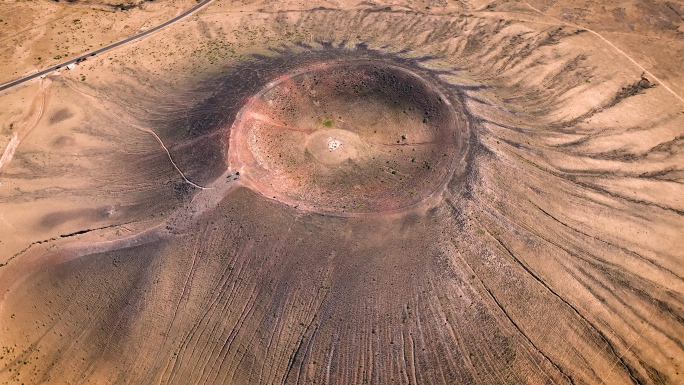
(423, 197)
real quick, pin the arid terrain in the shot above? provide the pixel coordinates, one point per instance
(342, 192)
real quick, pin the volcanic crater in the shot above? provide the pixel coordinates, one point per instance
(466, 194)
(348, 137)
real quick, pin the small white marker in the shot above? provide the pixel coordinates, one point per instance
(333, 144)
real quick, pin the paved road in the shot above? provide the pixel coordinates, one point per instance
(104, 49)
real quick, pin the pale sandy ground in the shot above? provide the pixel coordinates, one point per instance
(558, 261)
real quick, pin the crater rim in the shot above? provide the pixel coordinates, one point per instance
(240, 155)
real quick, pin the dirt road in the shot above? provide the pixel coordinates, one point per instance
(35, 113)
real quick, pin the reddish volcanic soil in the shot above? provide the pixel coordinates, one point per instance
(349, 137)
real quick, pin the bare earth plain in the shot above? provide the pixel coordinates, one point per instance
(343, 192)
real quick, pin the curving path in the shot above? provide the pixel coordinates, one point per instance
(623, 53)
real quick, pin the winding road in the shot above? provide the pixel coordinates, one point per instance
(104, 49)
